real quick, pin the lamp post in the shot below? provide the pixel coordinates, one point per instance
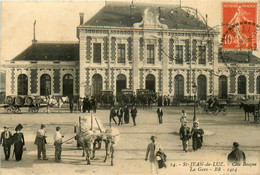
(194, 90)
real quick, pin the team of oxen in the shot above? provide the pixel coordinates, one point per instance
(90, 134)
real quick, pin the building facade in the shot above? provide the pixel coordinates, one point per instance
(165, 49)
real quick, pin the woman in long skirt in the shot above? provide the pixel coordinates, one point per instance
(18, 142)
(197, 136)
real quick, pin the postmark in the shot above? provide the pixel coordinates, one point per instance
(239, 30)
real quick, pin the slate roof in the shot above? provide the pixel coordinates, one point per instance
(119, 15)
(238, 57)
(50, 52)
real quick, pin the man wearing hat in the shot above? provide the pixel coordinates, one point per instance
(185, 135)
(236, 155)
(6, 142)
(57, 144)
(152, 149)
(18, 142)
(40, 141)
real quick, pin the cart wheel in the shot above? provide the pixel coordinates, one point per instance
(216, 111)
(13, 109)
(17, 110)
(203, 111)
(8, 110)
(224, 111)
(34, 110)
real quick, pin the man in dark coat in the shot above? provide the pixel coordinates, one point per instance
(6, 142)
(71, 105)
(126, 114)
(134, 114)
(120, 115)
(18, 142)
(160, 114)
(93, 104)
(210, 102)
(236, 155)
(160, 101)
(88, 104)
(185, 135)
(112, 115)
(84, 104)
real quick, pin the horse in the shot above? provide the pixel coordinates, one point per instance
(248, 108)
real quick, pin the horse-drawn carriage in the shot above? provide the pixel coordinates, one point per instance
(14, 103)
(142, 96)
(89, 135)
(251, 106)
(107, 98)
(126, 97)
(215, 108)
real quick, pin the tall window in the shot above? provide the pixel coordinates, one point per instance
(150, 54)
(121, 53)
(22, 84)
(202, 55)
(97, 53)
(258, 85)
(96, 85)
(241, 85)
(45, 85)
(179, 55)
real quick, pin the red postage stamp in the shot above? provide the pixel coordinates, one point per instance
(239, 26)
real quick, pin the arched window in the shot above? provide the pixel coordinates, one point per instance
(97, 85)
(202, 87)
(22, 84)
(258, 85)
(68, 85)
(150, 82)
(179, 87)
(222, 87)
(120, 83)
(241, 85)
(45, 85)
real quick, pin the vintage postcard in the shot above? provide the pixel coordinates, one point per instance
(126, 87)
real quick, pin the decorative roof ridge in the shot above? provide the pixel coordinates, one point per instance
(56, 42)
(139, 3)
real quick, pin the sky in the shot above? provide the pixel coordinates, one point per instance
(57, 20)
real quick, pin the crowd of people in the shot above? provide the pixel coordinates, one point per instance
(17, 140)
(123, 114)
(155, 154)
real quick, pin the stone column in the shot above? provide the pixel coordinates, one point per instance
(135, 61)
(165, 63)
(215, 66)
(82, 62)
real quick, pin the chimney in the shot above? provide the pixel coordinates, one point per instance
(81, 16)
(34, 38)
(132, 8)
(160, 9)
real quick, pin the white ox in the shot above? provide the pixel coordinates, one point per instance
(92, 132)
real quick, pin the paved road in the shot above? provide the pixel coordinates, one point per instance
(221, 131)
